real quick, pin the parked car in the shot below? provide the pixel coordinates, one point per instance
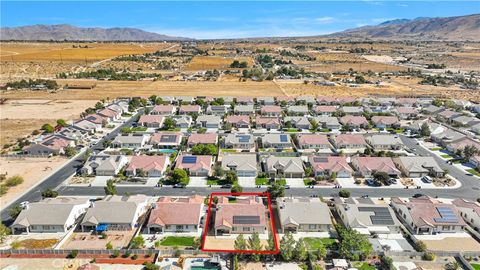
(179, 186)
(427, 179)
(227, 186)
(417, 195)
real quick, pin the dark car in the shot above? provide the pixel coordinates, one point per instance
(227, 186)
(417, 195)
(179, 186)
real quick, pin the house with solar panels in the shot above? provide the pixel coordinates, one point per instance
(277, 141)
(195, 165)
(425, 215)
(245, 216)
(166, 140)
(240, 142)
(367, 217)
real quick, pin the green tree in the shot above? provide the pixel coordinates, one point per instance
(387, 263)
(287, 247)
(381, 177)
(49, 193)
(255, 244)
(420, 246)
(469, 151)
(218, 171)
(179, 176)
(276, 190)
(301, 250)
(47, 128)
(109, 246)
(425, 130)
(231, 177)
(344, 193)
(240, 243)
(110, 189)
(62, 123)
(321, 251)
(137, 242)
(353, 245)
(314, 125)
(204, 149)
(169, 123)
(236, 189)
(271, 242)
(4, 232)
(70, 151)
(14, 181)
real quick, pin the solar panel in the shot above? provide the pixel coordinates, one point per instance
(447, 215)
(246, 220)
(168, 138)
(189, 159)
(283, 138)
(381, 215)
(320, 159)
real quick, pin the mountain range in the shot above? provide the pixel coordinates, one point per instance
(448, 28)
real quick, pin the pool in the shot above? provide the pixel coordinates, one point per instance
(167, 151)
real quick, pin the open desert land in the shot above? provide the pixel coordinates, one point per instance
(19, 117)
(32, 170)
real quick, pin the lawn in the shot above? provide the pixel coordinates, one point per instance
(436, 148)
(307, 182)
(262, 181)
(475, 266)
(474, 172)
(363, 266)
(313, 243)
(177, 241)
(446, 156)
(281, 182)
(291, 130)
(229, 150)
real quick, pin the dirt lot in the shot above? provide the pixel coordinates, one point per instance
(31, 169)
(20, 117)
(453, 244)
(214, 62)
(213, 242)
(85, 240)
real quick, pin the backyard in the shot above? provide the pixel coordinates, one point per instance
(177, 241)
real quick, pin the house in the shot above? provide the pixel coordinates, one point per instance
(130, 141)
(352, 110)
(285, 100)
(299, 110)
(444, 136)
(120, 106)
(318, 142)
(245, 165)
(354, 121)
(267, 122)
(328, 122)
(220, 110)
(463, 121)
(244, 100)
(239, 141)
(470, 212)
(245, 215)
(164, 110)
(244, 110)
(301, 122)
(195, 165)
(384, 142)
(104, 165)
(72, 133)
(110, 114)
(366, 217)
(148, 166)
(278, 141)
(416, 126)
(87, 126)
(406, 112)
(386, 101)
(189, 109)
(447, 115)
(284, 167)
(383, 122)
(266, 100)
(425, 215)
(238, 121)
(306, 99)
(349, 141)
(431, 109)
(168, 99)
(166, 139)
(151, 121)
(304, 215)
(182, 121)
(115, 213)
(209, 121)
(51, 215)
(165, 216)
(97, 119)
(459, 145)
(417, 166)
(475, 160)
(347, 100)
(324, 166)
(51, 145)
(408, 102)
(185, 99)
(367, 166)
(326, 100)
(271, 110)
(202, 138)
(325, 110)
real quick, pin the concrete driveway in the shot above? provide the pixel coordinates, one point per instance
(246, 181)
(196, 181)
(295, 182)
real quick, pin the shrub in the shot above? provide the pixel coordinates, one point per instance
(73, 254)
(344, 193)
(109, 246)
(126, 254)
(3, 190)
(14, 181)
(15, 245)
(420, 246)
(116, 253)
(49, 193)
(428, 256)
(134, 257)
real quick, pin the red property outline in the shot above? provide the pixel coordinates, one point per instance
(269, 203)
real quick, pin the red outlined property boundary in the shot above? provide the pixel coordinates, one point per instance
(269, 204)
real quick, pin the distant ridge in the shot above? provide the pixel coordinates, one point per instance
(449, 28)
(61, 32)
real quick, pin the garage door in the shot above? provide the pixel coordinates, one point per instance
(246, 174)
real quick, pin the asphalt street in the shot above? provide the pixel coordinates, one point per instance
(62, 174)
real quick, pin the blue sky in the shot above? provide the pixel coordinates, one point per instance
(227, 19)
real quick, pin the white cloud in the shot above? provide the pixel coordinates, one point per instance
(325, 20)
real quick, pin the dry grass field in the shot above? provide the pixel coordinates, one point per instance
(199, 63)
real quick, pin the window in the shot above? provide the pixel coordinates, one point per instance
(445, 228)
(179, 227)
(312, 226)
(246, 229)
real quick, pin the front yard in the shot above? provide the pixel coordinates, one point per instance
(262, 181)
(474, 172)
